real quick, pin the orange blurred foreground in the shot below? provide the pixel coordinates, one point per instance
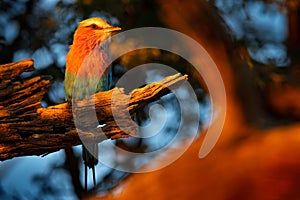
(248, 162)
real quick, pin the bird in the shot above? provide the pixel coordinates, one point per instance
(88, 60)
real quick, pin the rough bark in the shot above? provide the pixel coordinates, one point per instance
(28, 129)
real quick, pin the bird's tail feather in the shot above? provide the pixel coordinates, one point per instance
(90, 159)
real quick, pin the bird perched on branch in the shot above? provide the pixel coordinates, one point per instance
(88, 61)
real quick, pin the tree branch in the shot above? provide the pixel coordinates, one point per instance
(28, 129)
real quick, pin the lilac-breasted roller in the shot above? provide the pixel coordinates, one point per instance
(88, 60)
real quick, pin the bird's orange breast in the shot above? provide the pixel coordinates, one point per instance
(85, 41)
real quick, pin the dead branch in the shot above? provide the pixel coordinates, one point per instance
(28, 129)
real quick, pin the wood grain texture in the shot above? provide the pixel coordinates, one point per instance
(28, 129)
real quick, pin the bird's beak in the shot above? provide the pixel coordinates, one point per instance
(111, 29)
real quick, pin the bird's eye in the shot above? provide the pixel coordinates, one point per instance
(94, 26)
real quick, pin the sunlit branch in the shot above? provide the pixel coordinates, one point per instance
(28, 129)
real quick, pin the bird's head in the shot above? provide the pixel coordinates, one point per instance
(93, 31)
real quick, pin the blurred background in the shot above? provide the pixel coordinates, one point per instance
(256, 46)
